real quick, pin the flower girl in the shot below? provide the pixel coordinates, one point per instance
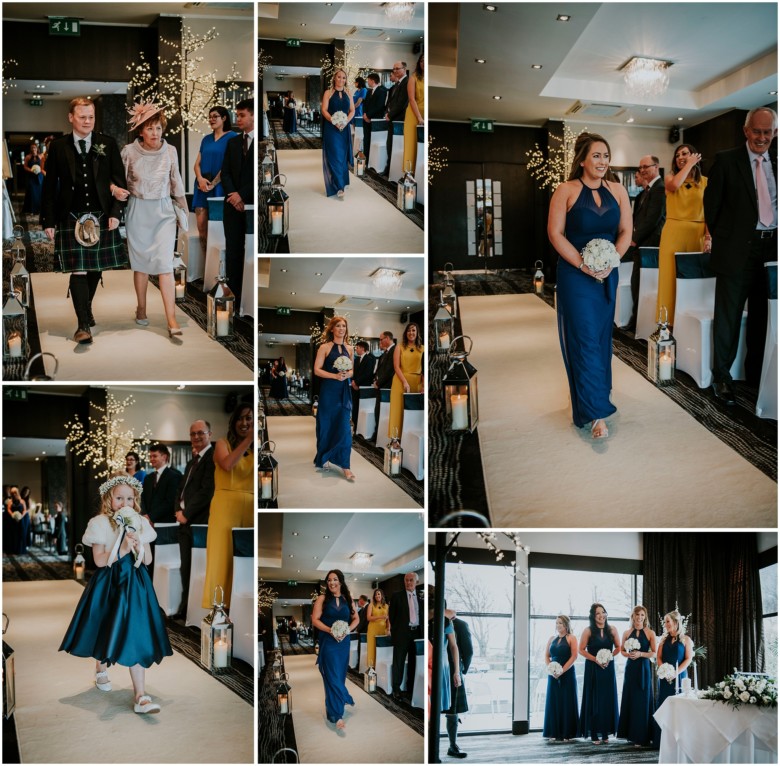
(118, 619)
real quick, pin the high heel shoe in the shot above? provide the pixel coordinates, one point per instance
(174, 331)
(141, 320)
(348, 475)
(599, 429)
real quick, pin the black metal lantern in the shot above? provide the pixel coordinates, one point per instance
(284, 695)
(360, 161)
(268, 472)
(460, 388)
(179, 277)
(79, 564)
(539, 278)
(394, 457)
(369, 680)
(216, 637)
(220, 305)
(278, 209)
(14, 329)
(661, 352)
(277, 667)
(315, 406)
(449, 297)
(443, 327)
(9, 675)
(406, 198)
(20, 277)
(267, 170)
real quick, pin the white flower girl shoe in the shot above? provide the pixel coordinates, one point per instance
(149, 707)
(102, 681)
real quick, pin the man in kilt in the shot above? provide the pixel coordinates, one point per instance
(83, 172)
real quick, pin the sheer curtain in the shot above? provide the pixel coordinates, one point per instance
(714, 577)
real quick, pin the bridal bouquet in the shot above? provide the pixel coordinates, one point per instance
(604, 657)
(737, 689)
(632, 645)
(342, 364)
(339, 120)
(554, 668)
(600, 254)
(339, 629)
(666, 672)
(128, 518)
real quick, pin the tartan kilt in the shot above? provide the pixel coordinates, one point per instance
(69, 255)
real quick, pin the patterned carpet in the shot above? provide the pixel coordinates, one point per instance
(454, 460)
(305, 138)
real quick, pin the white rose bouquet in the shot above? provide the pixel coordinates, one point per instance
(17, 516)
(666, 672)
(342, 364)
(339, 120)
(339, 629)
(740, 689)
(554, 668)
(128, 519)
(632, 645)
(600, 254)
(603, 657)
(36, 169)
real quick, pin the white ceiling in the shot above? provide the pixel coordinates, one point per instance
(396, 541)
(724, 57)
(25, 449)
(324, 22)
(65, 90)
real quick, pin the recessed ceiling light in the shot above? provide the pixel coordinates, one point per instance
(563, 17)
(496, 98)
(387, 38)
(295, 534)
(326, 537)
(679, 119)
(315, 557)
(37, 459)
(480, 61)
(376, 308)
(387, 300)
(284, 271)
(408, 307)
(299, 571)
(43, 452)
(536, 66)
(772, 92)
(293, 293)
(317, 273)
(291, 556)
(303, 23)
(630, 119)
(649, 109)
(97, 90)
(492, 8)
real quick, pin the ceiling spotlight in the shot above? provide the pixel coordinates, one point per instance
(295, 534)
(679, 119)
(646, 76)
(536, 66)
(376, 308)
(284, 271)
(291, 556)
(317, 273)
(772, 92)
(387, 38)
(630, 119)
(326, 537)
(480, 61)
(303, 23)
(496, 98)
(563, 17)
(649, 109)
(43, 452)
(293, 293)
(492, 8)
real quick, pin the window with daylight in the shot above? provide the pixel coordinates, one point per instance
(768, 576)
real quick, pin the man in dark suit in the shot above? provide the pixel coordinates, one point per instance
(81, 208)
(383, 377)
(406, 627)
(458, 694)
(362, 375)
(194, 499)
(238, 181)
(362, 626)
(397, 101)
(649, 219)
(373, 109)
(158, 500)
(740, 208)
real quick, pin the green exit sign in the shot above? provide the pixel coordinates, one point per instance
(15, 394)
(293, 42)
(283, 311)
(481, 126)
(64, 27)
(292, 582)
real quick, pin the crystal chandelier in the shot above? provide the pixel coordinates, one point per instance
(400, 12)
(646, 77)
(361, 561)
(387, 280)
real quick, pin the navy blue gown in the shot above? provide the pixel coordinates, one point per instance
(561, 720)
(586, 310)
(118, 619)
(334, 413)
(333, 660)
(599, 711)
(636, 704)
(336, 147)
(674, 654)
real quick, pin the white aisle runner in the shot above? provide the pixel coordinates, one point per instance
(123, 350)
(659, 467)
(364, 222)
(372, 734)
(302, 486)
(61, 717)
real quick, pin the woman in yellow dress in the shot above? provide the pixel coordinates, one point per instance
(415, 113)
(684, 230)
(378, 624)
(233, 501)
(407, 362)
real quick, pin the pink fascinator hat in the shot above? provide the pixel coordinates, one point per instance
(140, 112)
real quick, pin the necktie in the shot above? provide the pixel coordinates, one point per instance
(764, 202)
(156, 478)
(246, 143)
(412, 609)
(195, 459)
(83, 145)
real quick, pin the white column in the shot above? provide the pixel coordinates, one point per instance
(520, 718)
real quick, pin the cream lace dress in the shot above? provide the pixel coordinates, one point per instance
(155, 185)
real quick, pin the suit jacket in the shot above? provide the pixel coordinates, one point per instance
(159, 503)
(650, 215)
(199, 489)
(362, 626)
(375, 103)
(238, 172)
(398, 100)
(398, 613)
(364, 370)
(731, 208)
(385, 370)
(60, 179)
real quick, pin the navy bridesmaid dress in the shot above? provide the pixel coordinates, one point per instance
(586, 310)
(674, 654)
(334, 413)
(336, 147)
(636, 704)
(333, 660)
(561, 720)
(599, 711)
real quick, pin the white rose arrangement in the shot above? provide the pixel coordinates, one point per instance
(342, 364)
(339, 120)
(666, 672)
(554, 669)
(603, 657)
(740, 689)
(632, 645)
(339, 629)
(600, 254)
(36, 169)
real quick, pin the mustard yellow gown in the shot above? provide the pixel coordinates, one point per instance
(410, 125)
(683, 232)
(231, 506)
(375, 628)
(411, 366)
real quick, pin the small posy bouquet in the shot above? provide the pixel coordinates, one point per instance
(554, 669)
(342, 364)
(600, 254)
(603, 657)
(339, 120)
(632, 645)
(282, 374)
(339, 629)
(666, 672)
(17, 516)
(128, 519)
(738, 689)
(36, 169)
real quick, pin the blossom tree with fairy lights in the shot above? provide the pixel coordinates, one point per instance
(346, 60)
(553, 170)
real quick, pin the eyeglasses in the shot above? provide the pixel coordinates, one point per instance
(398, 68)
(199, 433)
(645, 167)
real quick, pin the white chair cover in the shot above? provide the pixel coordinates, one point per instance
(419, 691)
(413, 438)
(248, 295)
(419, 173)
(377, 158)
(766, 406)
(397, 157)
(195, 612)
(243, 611)
(215, 243)
(167, 569)
(384, 664)
(357, 651)
(366, 409)
(646, 316)
(357, 139)
(189, 247)
(624, 303)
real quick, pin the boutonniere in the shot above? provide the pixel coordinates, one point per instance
(100, 150)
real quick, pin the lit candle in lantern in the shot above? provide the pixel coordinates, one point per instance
(695, 678)
(276, 222)
(266, 487)
(444, 340)
(15, 345)
(283, 707)
(409, 198)
(665, 366)
(267, 177)
(395, 465)
(460, 413)
(223, 323)
(677, 678)
(220, 653)
(179, 291)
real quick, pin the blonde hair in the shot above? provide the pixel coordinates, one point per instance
(328, 333)
(105, 499)
(333, 79)
(80, 101)
(678, 621)
(639, 608)
(566, 620)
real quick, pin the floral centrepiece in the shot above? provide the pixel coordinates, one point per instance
(554, 668)
(339, 120)
(632, 645)
(343, 364)
(666, 672)
(339, 629)
(741, 689)
(600, 254)
(603, 657)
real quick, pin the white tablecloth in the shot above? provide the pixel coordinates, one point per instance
(707, 731)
